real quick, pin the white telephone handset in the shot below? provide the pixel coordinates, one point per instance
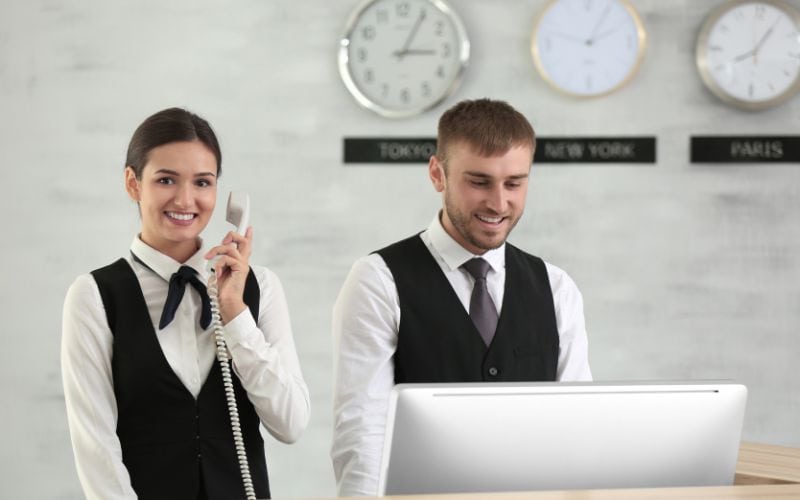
(238, 214)
(238, 211)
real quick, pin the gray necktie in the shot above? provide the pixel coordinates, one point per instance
(481, 308)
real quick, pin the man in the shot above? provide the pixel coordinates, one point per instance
(454, 303)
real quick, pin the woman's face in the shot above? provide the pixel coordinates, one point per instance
(176, 195)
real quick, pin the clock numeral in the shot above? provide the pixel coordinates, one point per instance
(440, 71)
(402, 9)
(369, 76)
(724, 29)
(382, 16)
(426, 89)
(750, 90)
(385, 90)
(368, 32)
(361, 54)
(587, 5)
(405, 95)
(446, 50)
(715, 48)
(439, 28)
(760, 11)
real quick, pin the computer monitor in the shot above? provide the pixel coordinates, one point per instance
(482, 437)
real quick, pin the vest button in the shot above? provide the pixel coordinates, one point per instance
(493, 371)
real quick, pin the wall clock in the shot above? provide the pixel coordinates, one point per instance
(400, 58)
(748, 53)
(588, 48)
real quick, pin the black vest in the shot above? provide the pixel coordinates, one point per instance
(167, 436)
(438, 342)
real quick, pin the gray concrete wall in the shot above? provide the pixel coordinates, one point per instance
(687, 271)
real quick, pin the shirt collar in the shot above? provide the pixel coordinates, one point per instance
(164, 265)
(454, 255)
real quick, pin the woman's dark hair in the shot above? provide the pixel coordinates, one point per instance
(164, 127)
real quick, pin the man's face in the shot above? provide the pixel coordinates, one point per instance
(483, 197)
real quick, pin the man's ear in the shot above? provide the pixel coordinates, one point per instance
(132, 185)
(436, 172)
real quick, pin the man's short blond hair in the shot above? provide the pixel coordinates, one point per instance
(488, 127)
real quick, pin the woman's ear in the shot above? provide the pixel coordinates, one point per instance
(132, 184)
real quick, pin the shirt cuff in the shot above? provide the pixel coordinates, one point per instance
(240, 329)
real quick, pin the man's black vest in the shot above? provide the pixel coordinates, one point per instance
(438, 342)
(167, 436)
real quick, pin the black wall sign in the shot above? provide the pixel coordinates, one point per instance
(548, 150)
(745, 149)
(388, 150)
(595, 150)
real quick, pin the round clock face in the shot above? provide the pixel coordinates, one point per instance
(402, 57)
(748, 53)
(588, 48)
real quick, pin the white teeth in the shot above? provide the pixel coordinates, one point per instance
(175, 215)
(491, 220)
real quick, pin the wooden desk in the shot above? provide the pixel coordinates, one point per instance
(767, 464)
(763, 472)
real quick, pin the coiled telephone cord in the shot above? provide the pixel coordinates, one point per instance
(230, 395)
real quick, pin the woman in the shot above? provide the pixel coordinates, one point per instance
(144, 393)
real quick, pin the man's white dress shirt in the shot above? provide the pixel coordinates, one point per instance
(366, 319)
(263, 353)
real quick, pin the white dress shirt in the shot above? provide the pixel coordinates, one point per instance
(366, 319)
(263, 353)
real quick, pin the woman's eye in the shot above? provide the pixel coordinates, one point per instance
(166, 180)
(204, 183)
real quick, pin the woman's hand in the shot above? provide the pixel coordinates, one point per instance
(231, 270)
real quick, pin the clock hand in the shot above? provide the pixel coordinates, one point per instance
(604, 34)
(567, 36)
(754, 51)
(746, 55)
(420, 52)
(411, 34)
(590, 40)
(763, 39)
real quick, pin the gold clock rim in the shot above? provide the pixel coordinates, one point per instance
(362, 99)
(701, 56)
(641, 34)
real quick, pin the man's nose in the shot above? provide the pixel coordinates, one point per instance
(497, 199)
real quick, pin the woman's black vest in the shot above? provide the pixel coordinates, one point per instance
(168, 438)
